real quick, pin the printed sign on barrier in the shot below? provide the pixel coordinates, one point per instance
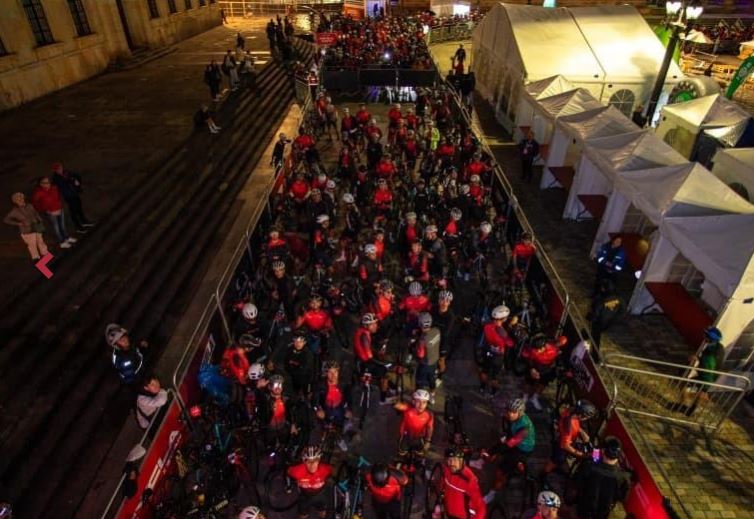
(325, 39)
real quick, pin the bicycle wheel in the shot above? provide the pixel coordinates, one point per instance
(434, 491)
(278, 499)
(409, 491)
(341, 501)
(366, 395)
(529, 494)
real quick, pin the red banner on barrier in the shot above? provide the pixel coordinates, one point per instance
(327, 38)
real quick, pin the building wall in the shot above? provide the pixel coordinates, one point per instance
(30, 71)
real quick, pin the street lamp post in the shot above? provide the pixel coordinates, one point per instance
(678, 16)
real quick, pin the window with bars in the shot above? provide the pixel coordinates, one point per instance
(80, 20)
(153, 11)
(171, 7)
(188, 5)
(38, 21)
(3, 50)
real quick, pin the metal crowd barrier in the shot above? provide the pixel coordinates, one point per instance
(667, 391)
(450, 32)
(249, 8)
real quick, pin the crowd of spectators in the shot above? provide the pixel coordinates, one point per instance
(722, 33)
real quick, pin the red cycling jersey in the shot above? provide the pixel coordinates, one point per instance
(362, 344)
(496, 338)
(382, 198)
(299, 189)
(334, 396)
(413, 305)
(315, 320)
(278, 413)
(542, 357)
(363, 116)
(452, 228)
(304, 141)
(310, 483)
(523, 251)
(374, 130)
(569, 427)
(380, 246)
(461, 495)
(394, 115)
(417, 425)
(234, 360)
(385, 494)
(382, 308)
(385, 169)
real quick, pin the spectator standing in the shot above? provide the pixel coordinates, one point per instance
(213, 77)
(150, 399)
(460, 55)
(601, 485)
(607, 307)
(638, 117)
(271, 33)
(30, 225)
(611, 259)
(69, 185)
(529, 149)
(230, 68)
(46, 199)
(248, 74)
(222, 16)
(240, 43)
(127, 359)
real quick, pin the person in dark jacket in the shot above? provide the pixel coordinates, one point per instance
(602, 484)
(607, 307)
(529, 149)
(278, 151)
(127, 359)
(611, 260)
(213, 77)
(69, 185)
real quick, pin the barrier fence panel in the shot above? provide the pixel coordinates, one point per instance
(668, 392)
(249, 8)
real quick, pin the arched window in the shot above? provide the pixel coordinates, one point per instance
(623, 100)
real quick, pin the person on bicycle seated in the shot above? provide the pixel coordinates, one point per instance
(299, 364)
(317, 322)
(312, 479)
(516, 445)
(332, 399)
(495, 342)
(522, 254)
(417, 425)
(365, 361)
(363, 117)
(299, 189)
(475, 167)
(276, 247)
(459, 487)
(247, 323)
(275, 411)
(370, 270)
(413, 304)
(444, 319)
(256, 390)
(385, 485)
(436, 252)
(540, 355)
(548, 504)
(417, 263)
(382, 200)
(427, 352)
(570, 433)
(280, 288)
(385, 167)
(452, 233)
(483, 242)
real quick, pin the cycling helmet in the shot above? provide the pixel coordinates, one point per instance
(276, 381)
(475, 178)
(278, 265)
(249, 311)
(411, 216)
(612, 448)
(486, 227)
(315, 297)
(430, 229)
(330, 184)
(464, 189)
(299, 335)
(323, 218)
(368, 319)
(256, 371)
(445, 295)
(456, 213)
(380, 474)
(250, 341)
(370, 248)
(348, 198)
(415, 288)
(548, 499)
(516, 405)
(330, 364)
(322, 178)
(250, 512)
(315, 191)
(713, 334)
(114, 333)
(385, 285)
(455, 451)
(421, 394)
(312, 452)
(382, 182)
(585, 409)
(501, 312)
(425, 320)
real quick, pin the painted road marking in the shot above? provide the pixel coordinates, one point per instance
(42, 265)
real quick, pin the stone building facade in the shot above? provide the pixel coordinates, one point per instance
(46, 45)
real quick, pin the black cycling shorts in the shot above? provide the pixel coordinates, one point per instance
(313, 502)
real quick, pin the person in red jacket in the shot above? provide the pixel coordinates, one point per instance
(385, 167)
(459, 486)
(417, 263)
(46, 199)
(382, 200)
(277, 247)
(363, 339)
(312, 477)
(417, 425)
(318, 322)
(541, 355)
(495, 343)
(363, 116)
(385, 485)
(394, 115)
(414, 303)
(372, 130)
(521, 256)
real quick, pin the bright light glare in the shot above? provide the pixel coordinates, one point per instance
(425, 29)
(387, 56)
(672, 7)
(637, 274)
(692, 13)
(461, 9)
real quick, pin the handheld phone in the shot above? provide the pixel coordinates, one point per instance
(596, 455)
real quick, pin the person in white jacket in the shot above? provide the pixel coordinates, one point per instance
(151, 397)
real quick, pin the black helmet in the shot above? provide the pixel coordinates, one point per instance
(612, 448)
(380, 474)
(585, 409)
(454, 451)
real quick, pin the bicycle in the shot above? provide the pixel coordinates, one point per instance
(348, 491)
(454, 422)
(280, 496)
(414, 463)
(434, 495)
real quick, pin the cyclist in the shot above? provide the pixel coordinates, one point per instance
(312, 479)
(427, 352)
(299, 363)
(601, 485)
(569, 431)
(459, 486)
(247, 324)
(332, 400)
(516, 445)
(521, 256)
(408, 232)
(548, 504)
(255, 389)
(276, 247)
(318, 323)
(445, 319)
(494, 345)
(235, 362)
(280, 287)
(127, 360)
(362, 347)
(385, 485)
(351, 217)
(413, 304)
(251, 512)
(370, 270)
(417, 263)
(540, 355)
(436, 252)
(276, 415)
(417, 425)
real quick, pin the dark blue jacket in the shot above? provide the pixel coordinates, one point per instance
(610, 259)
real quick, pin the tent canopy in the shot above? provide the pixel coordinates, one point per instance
(568, 103)
(740, 158)
(548, 87)
(721, 247)
(631, 151)
(713, 111)
(599, 122)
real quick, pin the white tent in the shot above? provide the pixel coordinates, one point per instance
(531, 93)
(609, 51)
(721, 248)
(548, 110)
(736, 166)
(450, 7)
(572, 130)
(681, 123)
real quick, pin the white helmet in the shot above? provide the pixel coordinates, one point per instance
(114, 333)
(421, 394)
(256, 371)
(370, 248)
(456, 213)
(323, 218)
(486, 227)
(475, 178)
(415, 288)
(548, 499)
(501, 312)
(445, 295)
(330, 184)
(348, 198)
(249, 311)
(368, 319)
(250, 512)
(425, 320)
(411, 216)
(430, 229)
(464, 189)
